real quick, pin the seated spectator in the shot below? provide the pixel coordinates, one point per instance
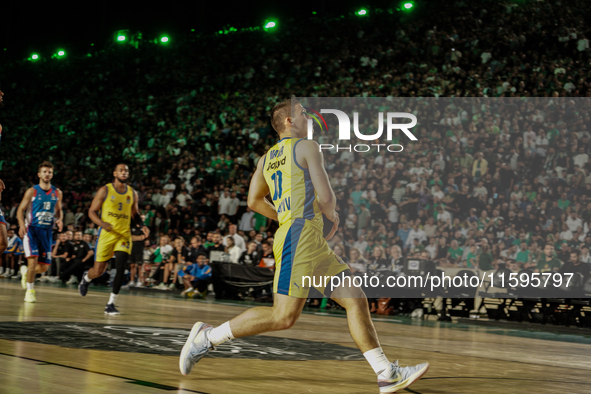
(179, 258)
(160, 257)
(267, 259)
(454, 254)
(196, 278)
(195, 249)
(548, 263)
(233, 250)
(252, 255)
(472, 258)
(215, 245)
(77, 261)
(356, 262)
(575, 265)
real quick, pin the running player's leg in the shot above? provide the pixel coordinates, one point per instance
(120, 264)
(27, 271)
(354, 301)
(391, 377)
(122, 251)
(281, 316)
(3, 235)
(105, 246)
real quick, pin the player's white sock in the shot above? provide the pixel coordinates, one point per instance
(30, 286)
(377, 359)
(220, 334)
(86, 278)
(112, 299)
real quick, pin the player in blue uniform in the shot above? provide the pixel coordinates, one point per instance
(35, 214)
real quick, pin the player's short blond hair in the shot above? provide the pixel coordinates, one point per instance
(281, 111)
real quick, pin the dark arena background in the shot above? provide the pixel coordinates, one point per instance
(182, 93)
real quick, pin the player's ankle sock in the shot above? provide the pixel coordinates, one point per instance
(86, 278)
(377, 359)
(220, 334)
(30, 286)
(112, 299)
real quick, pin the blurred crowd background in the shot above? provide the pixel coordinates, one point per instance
(479, 188)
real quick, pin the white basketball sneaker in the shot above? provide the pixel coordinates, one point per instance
(195, 348)
(397, 378)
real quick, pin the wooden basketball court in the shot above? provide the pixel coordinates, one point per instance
(65, 344)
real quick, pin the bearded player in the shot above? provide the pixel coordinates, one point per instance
(35, 214)
(293, 172)
(112, 209)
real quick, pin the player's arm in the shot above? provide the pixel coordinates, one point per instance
(54, 250)
(20, 213)
(95, 207)
(59, 212)
(257, 192)
(3, 238)
(136, 219)
(89, 253)
(309, 156)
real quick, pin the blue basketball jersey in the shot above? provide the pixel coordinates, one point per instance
(42, 208)
(2, 220)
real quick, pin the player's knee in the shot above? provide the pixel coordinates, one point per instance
(42, 268)
(285, 321)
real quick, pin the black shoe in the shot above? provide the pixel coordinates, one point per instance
(110, 310)
(83, 286)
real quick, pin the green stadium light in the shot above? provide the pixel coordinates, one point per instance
(121, 38)
(362, 12)
(408, 5)
(61, 53)
(270, 25)
(164, 39)
(34, 56)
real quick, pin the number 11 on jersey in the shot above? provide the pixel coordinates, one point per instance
(277, 180)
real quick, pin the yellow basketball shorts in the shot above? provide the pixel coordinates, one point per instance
(108, 243)
(301, 253)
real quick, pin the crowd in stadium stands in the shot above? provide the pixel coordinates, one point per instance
(191, 120)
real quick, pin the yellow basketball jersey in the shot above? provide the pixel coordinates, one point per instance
(292, 191)
(116, 209)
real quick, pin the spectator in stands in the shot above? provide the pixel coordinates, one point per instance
(252, 255)
(356, 262)
(267, 259)
(548, 263)
(78, 259)
(196, 278)
(161, 257)
(238, 240)
(575, 265)
(233, 250)
(179, 258)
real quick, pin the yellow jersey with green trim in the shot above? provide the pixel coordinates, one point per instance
(116, 209)
(292, 191)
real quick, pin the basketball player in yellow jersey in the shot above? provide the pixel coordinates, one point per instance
(293, 172)
(112, 210)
